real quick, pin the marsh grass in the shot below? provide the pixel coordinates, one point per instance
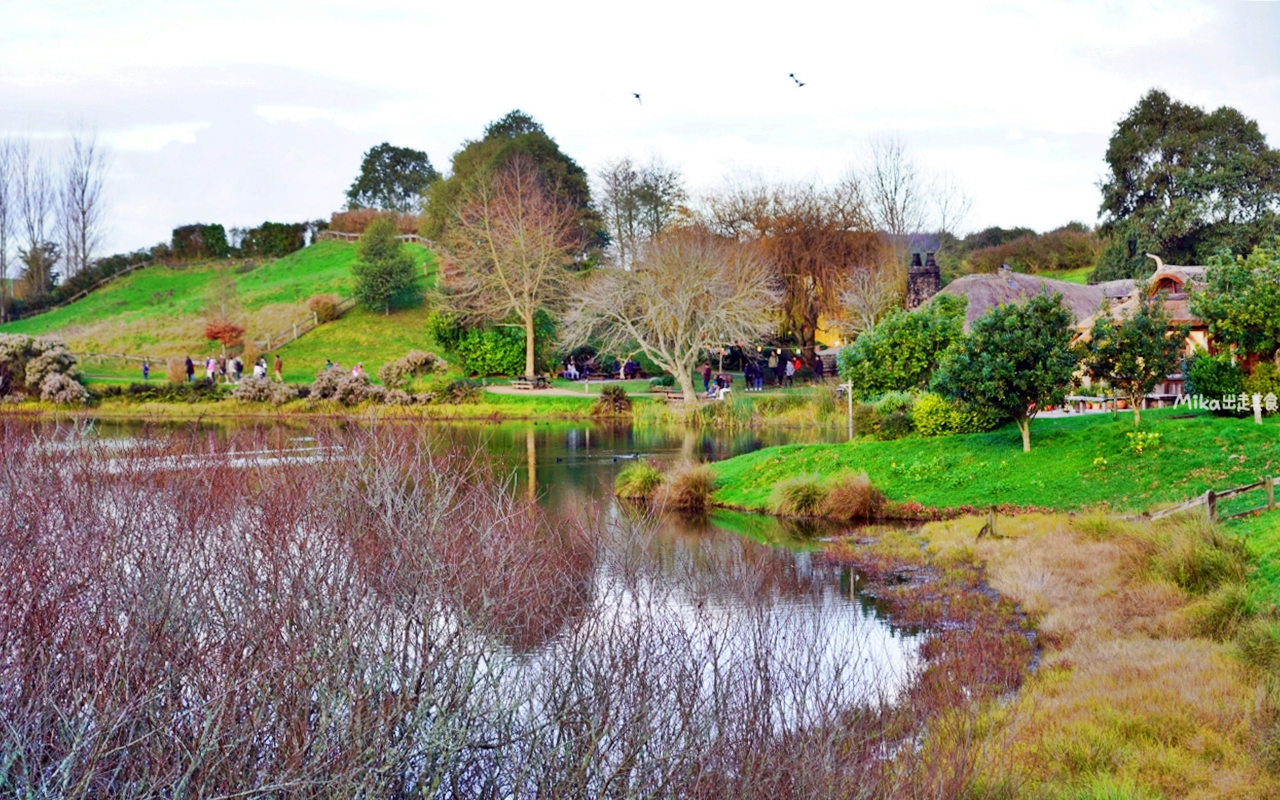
(638, 481)
(1128, 700)
(801, 496)
(853, 497)
(689, 487)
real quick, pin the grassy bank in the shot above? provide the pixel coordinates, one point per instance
(1131, 699)
(1074, 463)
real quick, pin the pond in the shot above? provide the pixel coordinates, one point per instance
(722, 622)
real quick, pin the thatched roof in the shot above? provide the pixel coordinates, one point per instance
(985, 291)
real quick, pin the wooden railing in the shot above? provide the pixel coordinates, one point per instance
(297, 329)
(351, 237)
(1210, 500)
(82, 293)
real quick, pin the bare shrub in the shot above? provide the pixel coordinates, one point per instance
(854, 497)
(175, 369)
(357, 220)
(324, 306)
(398, 397)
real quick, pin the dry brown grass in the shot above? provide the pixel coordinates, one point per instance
(1125, 690)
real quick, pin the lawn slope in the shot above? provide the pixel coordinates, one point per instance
(1074, 463)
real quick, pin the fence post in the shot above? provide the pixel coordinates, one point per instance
(295, 330)
(1211, 502)
(1271, 493)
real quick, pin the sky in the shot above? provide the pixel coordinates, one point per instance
(239, 112)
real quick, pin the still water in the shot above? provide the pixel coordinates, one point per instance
(711, 572)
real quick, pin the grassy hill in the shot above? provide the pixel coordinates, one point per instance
(161, 312)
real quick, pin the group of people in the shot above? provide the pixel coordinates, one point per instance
(228, 369)
(783, 368)
(356, 372)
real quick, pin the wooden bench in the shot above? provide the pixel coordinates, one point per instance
(529, 382)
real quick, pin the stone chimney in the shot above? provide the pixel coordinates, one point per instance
(923, 280)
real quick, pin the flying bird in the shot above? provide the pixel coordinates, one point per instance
(636, 95)
(793, 77)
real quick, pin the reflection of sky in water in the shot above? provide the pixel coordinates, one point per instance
(719, 592)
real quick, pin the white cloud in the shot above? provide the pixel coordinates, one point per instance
(150, 138)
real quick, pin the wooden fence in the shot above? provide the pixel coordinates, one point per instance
(1210, 500)
(83, 293)
(297, 329)
(351, 237)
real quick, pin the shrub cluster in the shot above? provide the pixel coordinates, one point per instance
(27, 363)
(847, 497)
(934, 415)
(613, 400)
(357, 220)
(261, 390)
(493, 350)
(1214, 377)
(197, 391)
(397, 374)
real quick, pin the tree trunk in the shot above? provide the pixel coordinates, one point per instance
(528, 345)
(1024, 427)
(1137, 410)
(686, 387)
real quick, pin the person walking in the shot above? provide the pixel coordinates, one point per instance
(706, 377)
(779, 366)
(146, 370)
(791, 373)
(278, 365)
(237, 364)
(819, 368)
(191, 369)
(211, 370)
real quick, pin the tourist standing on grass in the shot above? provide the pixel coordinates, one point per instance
(279, 364)
(819, 369)
(706, 377)
(773, 360)
(146, 370)
(356, 372)
(779, 368)
(191, 370)
(748, 375)
(791, 372)
(211, 370)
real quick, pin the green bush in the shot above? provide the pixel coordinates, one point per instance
(638, 481)
(931, 415)
(866, 422)
(197, 242)
(492, 350)
(1214, 378)
(902, 352)
(274, 239)
(459, 392)
(613, 400)
(894, 410)
(666, 381)
(1264, 380)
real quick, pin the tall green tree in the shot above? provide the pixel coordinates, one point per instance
(1016, 360)
(1183, 182)
(902, 351)
(1136, 352)
(516, 134)
(384, 271)
(393, 179)
(1241, 301)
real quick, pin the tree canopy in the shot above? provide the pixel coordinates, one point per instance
(1184, 182)
(1136, 352)
(392, 179)
(384, 270)
(902, 351)
(1016, 360)
(1241, 301)
(516, 134)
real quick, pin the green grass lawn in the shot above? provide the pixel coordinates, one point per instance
(1262, 534)
(1074, 463)
(1080, 275)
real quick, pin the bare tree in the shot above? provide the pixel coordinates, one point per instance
(639, 202)
(6, 222)
(80, 202)
(36, 201)
(689, 290)
(870, 292)
(509, 252)
(951, 203)
(815, 237)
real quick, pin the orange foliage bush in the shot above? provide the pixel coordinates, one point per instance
(356, 221)
(224, 331)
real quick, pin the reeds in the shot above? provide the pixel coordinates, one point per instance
(846, 497)
(639, 480)
(689, 488)
(383, 616)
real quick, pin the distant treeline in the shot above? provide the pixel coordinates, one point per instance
(1073, 246)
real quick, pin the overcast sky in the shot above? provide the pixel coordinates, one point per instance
(237, 112)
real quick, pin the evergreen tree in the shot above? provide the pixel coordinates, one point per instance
(1136, 353)
(1017, 360)
(385, 272)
